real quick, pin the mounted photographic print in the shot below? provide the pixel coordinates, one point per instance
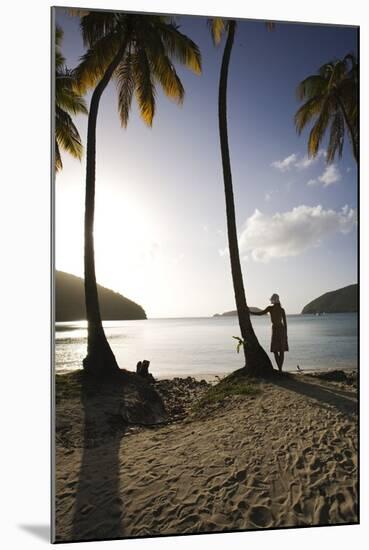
(205, 277)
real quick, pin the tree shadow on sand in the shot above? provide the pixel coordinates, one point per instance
(109, 406)
(344, 401)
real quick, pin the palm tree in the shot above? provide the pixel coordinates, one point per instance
(67, 103)
(137, 51)
(330, 101)
(257, 360)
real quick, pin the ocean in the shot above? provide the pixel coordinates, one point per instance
(204, 347)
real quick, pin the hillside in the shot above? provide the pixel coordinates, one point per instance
(233, 313)
(343, 300)
(70, 301)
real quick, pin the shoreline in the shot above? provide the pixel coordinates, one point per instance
(215, 377)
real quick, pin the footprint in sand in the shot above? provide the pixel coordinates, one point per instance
(260, 516)
(338, 457)
(347, 453)
(300, 463)
(316, 465)
(242, 505)
(240, 475)
(348, 465)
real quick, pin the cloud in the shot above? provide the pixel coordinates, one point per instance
(330, 175)
(292, 233)
(295, 161)
(306, 162)
(286, 163)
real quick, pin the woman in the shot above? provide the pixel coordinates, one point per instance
(279, 343)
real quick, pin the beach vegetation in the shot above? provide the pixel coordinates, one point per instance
(227, 388)
(68, 385)
(240, 343)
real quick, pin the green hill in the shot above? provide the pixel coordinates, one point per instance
(70, 301)
(233, 313)
(343, 300)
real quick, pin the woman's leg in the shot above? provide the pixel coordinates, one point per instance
(278, 359)
(279, 362)
(281, 359)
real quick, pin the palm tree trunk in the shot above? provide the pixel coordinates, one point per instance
(349, 127)
(100, 358)
(257, 361)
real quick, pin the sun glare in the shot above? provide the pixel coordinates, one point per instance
(126, 237)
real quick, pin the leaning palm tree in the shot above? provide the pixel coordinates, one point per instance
(67, 103)
(330, 102)
(137, 51)
(257, 362)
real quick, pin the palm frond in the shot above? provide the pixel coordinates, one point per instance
(59, 33)
(351, 57)
(67, 102)
(144, 87)
(180, 47)
(77, 12)
(331, 98)
(335, 73)
(307, 112)
(352, 68)
(95, 62)
(326, 70)
(217, 27)
(154, 44)
(161, 65)
(58, 160)
(59, 58)
(95, 25)
(165, 73)
(336, 137)
(310, 87)
(126, 85)
(65, 96)
(66, 134)
(318, 130)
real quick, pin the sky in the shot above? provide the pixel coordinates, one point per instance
(160, 224)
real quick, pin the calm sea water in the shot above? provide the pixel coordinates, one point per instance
(204, 346)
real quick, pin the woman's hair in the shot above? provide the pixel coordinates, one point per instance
(275, 299)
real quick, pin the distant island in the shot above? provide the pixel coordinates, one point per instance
(70, 301)
(233, 313)
(343, 300)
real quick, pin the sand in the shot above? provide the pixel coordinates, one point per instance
(286, 456)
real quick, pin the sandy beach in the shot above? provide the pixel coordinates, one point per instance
(282, 454)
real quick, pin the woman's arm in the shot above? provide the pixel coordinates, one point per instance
(263, 312)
